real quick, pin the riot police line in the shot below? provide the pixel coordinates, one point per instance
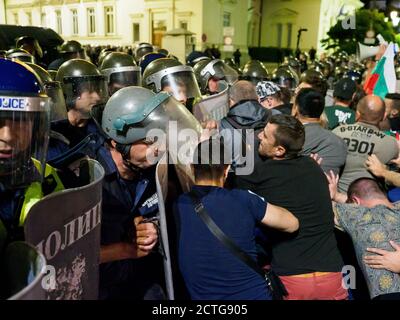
(76, 114)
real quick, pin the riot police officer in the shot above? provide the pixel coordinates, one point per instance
(58, 144)
(142, 49)
(120, 71)
(255, 71)
(149, 58)
(20, 55)
(214, 76)
(24, 129)
(69, 50)
(286, 77)
(31, 45)
(129, 269)
(170, 75)
(84, 87)
(194, 57)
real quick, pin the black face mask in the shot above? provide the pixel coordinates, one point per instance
(394, 123)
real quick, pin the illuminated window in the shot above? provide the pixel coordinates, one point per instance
(91, 21)
(109, 19)
(75, 28)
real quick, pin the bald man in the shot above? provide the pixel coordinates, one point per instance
(364, 139)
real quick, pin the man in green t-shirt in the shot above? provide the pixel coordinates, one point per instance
(340, 113)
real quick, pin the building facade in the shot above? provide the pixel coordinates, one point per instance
(282, 19)
(124, 22)
(229, 24)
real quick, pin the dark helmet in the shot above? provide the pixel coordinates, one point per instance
(24, 109)
(170, 75)
(217, 69)
(165, 52)
(78, 76)
(311, 73)
(142, 49)
(53, 90)
(104, 53)
(294, 63)
(26, 42)
(71, 46)
(255, 71)
(149, 58)
(194, 57)
(120, 70)
(20, 55)
(286, 77)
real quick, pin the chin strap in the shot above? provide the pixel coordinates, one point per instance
(124, 150)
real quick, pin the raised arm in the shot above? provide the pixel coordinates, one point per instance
(378, 169)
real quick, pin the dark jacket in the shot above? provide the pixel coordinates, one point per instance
(247, 114)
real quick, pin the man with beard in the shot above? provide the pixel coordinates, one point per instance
(308, 262)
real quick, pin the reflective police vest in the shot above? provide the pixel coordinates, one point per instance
(34, 193)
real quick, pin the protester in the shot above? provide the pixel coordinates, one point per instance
(308, 108)
(340, 113)
(364, 138)
(371, 220)
(308, 262)
(216, 273)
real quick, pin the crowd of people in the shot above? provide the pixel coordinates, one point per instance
(321, 193)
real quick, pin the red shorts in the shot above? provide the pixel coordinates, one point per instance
(315, 286)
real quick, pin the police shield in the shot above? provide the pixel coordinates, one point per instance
(214, 107)
(162, 189)
(24, 268)
(65, 227)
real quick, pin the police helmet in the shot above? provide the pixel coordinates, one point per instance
(24, 111)
(53, 90)
(82, 82)
(255, 71)
(286, 77)
(170, 75)
(20, 55)
(120, 70)
(142, 49)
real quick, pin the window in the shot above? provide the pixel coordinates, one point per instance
(15, 15)
(75, 29)
(289, 34)
(280, 27)
(227, 19)
(136, 32)
(91, 21)
(29, 18)
(183, 25)
(59, 21)
(109, 19)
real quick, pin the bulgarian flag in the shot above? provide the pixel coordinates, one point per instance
(383, 78)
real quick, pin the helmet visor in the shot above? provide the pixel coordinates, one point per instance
(119, 80)
(183, 86)
(58, 109)
(23, 145)
(82, 93)
(223, 71)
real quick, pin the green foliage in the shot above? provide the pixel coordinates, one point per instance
(340, 39)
